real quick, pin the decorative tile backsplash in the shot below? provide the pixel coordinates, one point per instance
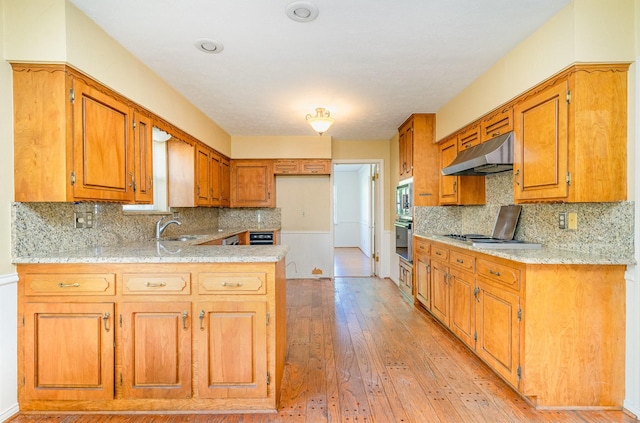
(46, 227)
(603, 228)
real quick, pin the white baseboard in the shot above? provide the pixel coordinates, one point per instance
(10, 412)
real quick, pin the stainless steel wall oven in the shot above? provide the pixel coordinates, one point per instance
(404, 239)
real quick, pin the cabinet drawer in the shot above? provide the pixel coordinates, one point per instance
(503, 274)
(463, 261)
(421, 247)
(70, 284)
(439, 253)
(232, 283)
(152, 283)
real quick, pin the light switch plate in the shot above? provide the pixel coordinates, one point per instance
(572, 221)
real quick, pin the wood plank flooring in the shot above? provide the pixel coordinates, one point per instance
(360, 353)
(351, 262)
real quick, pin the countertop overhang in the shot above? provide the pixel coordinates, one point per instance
(544, 255)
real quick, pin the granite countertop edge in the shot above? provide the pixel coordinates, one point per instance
(543, 255)
(167, 251)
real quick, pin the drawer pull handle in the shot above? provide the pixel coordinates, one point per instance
(68, 285)
(438, 253)
(105, 319)
(459, 261)
(238, 284)
(494, 272)
(201, 317)
(156, 285)
(184, 319)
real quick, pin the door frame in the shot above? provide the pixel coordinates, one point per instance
(378, 197)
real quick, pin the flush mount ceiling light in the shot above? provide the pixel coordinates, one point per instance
(209, 46)
(321, 121)
(302, 11)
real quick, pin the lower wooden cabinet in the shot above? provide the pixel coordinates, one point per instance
(232, 349)
(406, 278)
(156, 350)
(535, 325)
(68, 351)
(187, 336)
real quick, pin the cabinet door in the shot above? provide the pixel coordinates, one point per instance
(498, 330)
(541, 145)
(440, 292)
(156, 350)
(231, 349)
(469, 137)
(68, 351)
(102, 148)
(252, 183)
(203, 176)
(406, 279)
(225, 173)
(143, 159)
(286, 167)
(462, 306)
(214, 183)
(408, 151)
(315, 167)
(448, 184)
(423, 280)
(496, 124)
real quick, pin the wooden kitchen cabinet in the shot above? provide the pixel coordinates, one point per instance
(231, 344)
(156, 349)
(406, 278)
(535, 325)
(302, 167)
(422, 273)
(458, 190)
(286, 167)
(143, 158)
(424, 160)
(252, 183)
(405, 144)
(50, 356)
(208, 176)
(496, 123)
(84, 150)
(225, 182)
(571, 137)
(469, 136)
(150, 339)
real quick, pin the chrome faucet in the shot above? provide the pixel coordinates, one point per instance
(160, 227)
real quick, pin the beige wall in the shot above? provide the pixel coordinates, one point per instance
(584, 31)
(311, 147)
(56, 31)
(6, 160)
(304, 202)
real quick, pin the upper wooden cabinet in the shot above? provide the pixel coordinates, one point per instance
(469, 136)
(496, 123)
(73, 138)
(571, 137)
(405, 140)
(143, 158)
(225, 181)
(425, 168)
(458, 190)
(302, 167)
(252, 183)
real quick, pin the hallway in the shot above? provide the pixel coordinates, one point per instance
(351, 262)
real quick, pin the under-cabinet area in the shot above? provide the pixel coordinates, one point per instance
(170, 336)
(554, 332)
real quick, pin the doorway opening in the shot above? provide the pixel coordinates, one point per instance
(356, 213)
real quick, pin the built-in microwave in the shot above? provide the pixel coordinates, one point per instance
(404, 201)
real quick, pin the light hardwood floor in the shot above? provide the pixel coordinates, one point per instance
(351, 262)
(360, 352)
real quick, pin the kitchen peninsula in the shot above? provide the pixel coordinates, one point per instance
(153, 325)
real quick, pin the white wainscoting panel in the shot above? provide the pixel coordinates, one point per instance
(308, 251)
(8, 346)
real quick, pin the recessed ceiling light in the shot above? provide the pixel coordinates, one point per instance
(209, 46)
(302, 11)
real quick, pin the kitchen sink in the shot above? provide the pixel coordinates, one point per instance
(181, 238)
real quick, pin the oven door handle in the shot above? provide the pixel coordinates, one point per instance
(403, 224)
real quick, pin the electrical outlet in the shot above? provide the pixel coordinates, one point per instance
(572, 221)
(83, 220)
(562, 220)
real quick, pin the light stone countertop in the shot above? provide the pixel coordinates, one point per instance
(165, 251)
(542, 255)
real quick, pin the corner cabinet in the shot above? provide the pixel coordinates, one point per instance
(151, 337)
(84, 150)
(571, 137)
(252, 183)
(516, 317)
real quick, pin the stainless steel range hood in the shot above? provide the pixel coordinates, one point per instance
(493, 156)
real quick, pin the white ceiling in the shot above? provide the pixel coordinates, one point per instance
(370, 62)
